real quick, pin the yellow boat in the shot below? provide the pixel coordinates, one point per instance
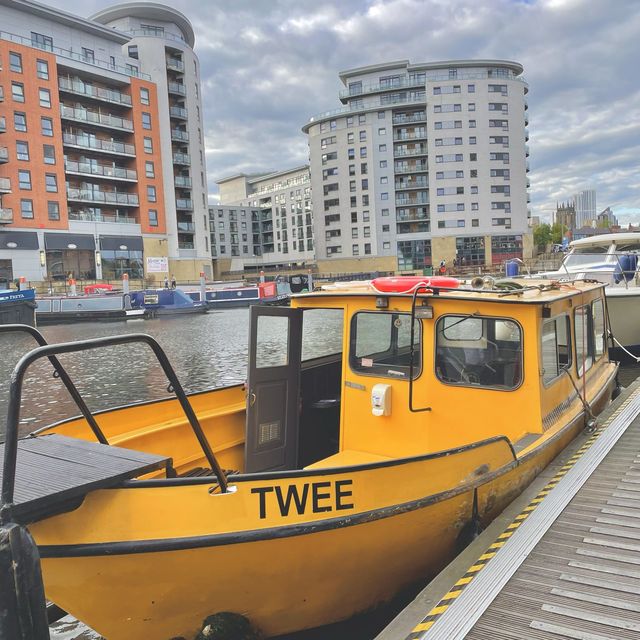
(350, 473)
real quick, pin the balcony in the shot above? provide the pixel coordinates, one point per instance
(87, 216)
(178, 112)
(177, 88)
(5, 185)
(416, 135)
(419, 183)
(174, 64)
(179, 136)
(181, 158)
(6, 216)
(404, 153)
(413, 227)
(415, 216)
(419, 116)
(418, 168)
(106, 146)
(183, 182)
(403, 83)
(77, 87)
(88, 169)
(4, 154)
(184, 203)
(3, 124)
(103, 197)
(186, 245)
(1, 93)
(188, 227)
(419, 199)
(95, 118)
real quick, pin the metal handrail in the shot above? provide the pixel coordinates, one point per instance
(61, 373)
(15, 397)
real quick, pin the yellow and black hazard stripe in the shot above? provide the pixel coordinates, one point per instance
(421, 630)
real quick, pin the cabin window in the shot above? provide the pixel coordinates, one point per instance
(321, 333)
(479, 352)
(272, 347)
(380, 344)
(583, 331)
(597, 309)
(556, 347)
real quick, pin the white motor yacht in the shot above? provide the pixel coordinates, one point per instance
(613, 258)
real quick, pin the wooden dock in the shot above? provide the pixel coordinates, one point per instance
(567, 565)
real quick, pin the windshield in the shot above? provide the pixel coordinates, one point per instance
(585, 255)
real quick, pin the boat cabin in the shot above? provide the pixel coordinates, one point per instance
(474, 364)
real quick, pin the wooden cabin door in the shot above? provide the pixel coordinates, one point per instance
(275, 344)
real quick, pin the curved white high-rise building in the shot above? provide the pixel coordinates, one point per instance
(162, 40)
(422, 163)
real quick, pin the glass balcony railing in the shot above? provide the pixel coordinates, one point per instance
(411, 184)
(88, 142)
(189, 227)
(86, 168)
(416, 135)
(412, 217)
(179, 136)
(400, 83)
(128, 69)
(181, 158)
(3, 124)
(411, 169)
(95, 117)
(184, 182)
(178, 112)
(88, 216)
(5, 185)
(106, 197)
(99, 93)
(6, 215)
(420, 116)
(186, 245)
(401, 153)
(175, 64)
(420, 199)
(4, 154)
(177, 88)
(184, 203)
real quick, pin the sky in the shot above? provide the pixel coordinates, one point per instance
(269, 65)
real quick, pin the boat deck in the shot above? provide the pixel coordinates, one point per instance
(567, 564)
(54, 472)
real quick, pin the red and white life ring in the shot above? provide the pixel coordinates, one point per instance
(408, 284)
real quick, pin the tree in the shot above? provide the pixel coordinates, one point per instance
(542, 235)
(557, 233)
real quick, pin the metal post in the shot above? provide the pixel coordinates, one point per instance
(262, 276)
(310, 281)
(203, 288)
(23, 283)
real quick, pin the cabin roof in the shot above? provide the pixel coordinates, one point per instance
(607, 239)
(534, 291)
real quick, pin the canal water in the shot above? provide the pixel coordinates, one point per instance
(206, 351)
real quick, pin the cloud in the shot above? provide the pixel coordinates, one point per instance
(268, 66)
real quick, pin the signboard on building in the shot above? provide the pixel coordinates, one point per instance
(158, 265)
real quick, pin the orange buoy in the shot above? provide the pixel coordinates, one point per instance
(408, 284)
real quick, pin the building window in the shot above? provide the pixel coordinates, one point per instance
(148, 145)
(472, 106)
(153, 218)
(45, 98)
(24, 180)
(349, 121)
(19, 121)
(26, 209)
(472, 124)
(41, 41)
(151, 194)
(146, 121)
(131, 69)
(51, 182)
(472, 140)
(382, 147)
(474, 206)
(53, 210)
(363, 152)
(112, 62)
(88, 55)
(354, 232)
(367, 248)
(384, 196)
(17, 91)
(362, 118)
(382, 131)
(384, 180)
(365, 214)
(144, 96)
(355, 250)
(49, 154)
(149, 169)
(475, 222)
(365, 184)
(22, 150)
(363, 136)
(350, 137)
(471, 88)
(133, 51)
(46, 127)
(385, 212)
(366, 232)
(383, 164)
(15, 62)
(42, 69)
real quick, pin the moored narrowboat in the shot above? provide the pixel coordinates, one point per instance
(166, 302)
(333, 479)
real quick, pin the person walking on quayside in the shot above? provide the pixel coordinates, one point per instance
(173, 281)
(166, 282)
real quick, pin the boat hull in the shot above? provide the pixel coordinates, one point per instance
(181, 554)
